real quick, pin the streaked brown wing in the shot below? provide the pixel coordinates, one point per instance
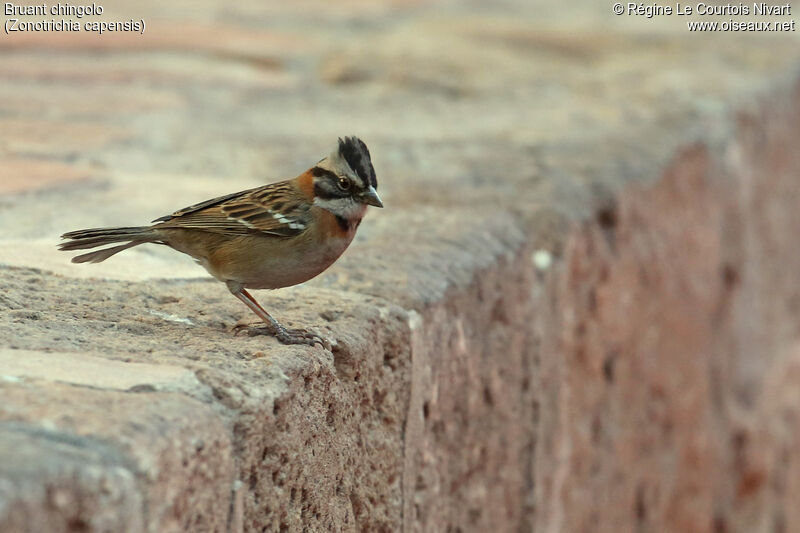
(277, 209)
(202, 205)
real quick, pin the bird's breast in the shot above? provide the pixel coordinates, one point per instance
(266, 262)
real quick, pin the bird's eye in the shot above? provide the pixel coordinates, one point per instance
(344, 183)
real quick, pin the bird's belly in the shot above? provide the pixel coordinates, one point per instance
(285, 273)
(273, 267)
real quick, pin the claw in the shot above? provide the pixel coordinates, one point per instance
(285, 336)
(301, 336)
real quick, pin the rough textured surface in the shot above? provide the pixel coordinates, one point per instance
(578, 311)
(670, 377)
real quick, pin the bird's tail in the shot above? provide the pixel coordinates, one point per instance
(92, 238)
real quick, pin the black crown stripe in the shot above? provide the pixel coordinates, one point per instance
(356, 153)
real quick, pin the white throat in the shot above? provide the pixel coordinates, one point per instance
(346, 208)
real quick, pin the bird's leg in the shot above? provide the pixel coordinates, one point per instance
(286, 336)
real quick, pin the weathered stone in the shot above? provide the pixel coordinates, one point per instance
(576, 313)
(662, 342)
(50, 481)
(78, 457)
(81, 369)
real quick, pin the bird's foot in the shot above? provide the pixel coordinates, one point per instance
(301, 336)
(284, 335)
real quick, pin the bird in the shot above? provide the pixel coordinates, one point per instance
(268, 237)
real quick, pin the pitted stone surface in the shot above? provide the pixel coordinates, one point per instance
(577, 312)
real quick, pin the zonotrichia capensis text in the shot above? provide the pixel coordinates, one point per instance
(269, 237)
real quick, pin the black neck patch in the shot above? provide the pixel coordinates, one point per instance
(343, 223)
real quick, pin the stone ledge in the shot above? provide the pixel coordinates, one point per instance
(95, 372)
(76, 457)
(672, 317)
(414, 421)
(53, 481)
(553, 327)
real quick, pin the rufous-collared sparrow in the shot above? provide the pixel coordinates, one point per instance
(269, 237)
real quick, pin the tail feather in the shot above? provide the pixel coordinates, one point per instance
(105, 253)
(88, 242)
(106, 232)
(92, 238)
